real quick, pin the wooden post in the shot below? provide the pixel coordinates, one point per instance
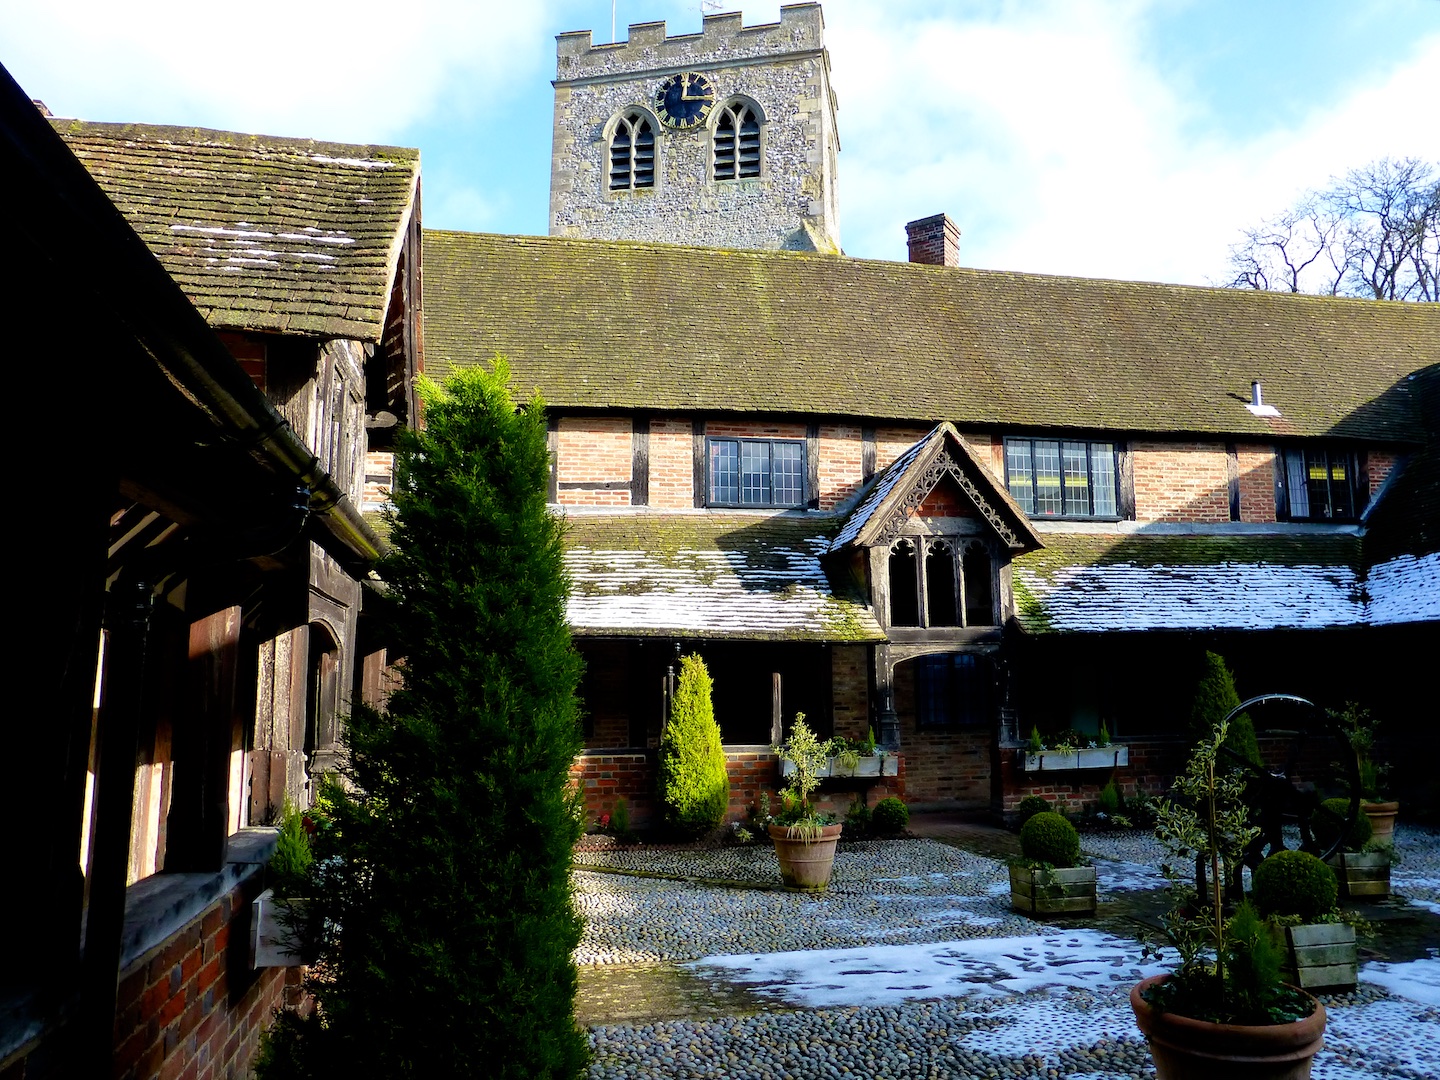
(777, 718)
(119, 733)
(198, 827)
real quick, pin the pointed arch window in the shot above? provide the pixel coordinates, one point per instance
(940, 583)
(632, 153)
(737, 142)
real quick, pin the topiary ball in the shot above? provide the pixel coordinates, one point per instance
(1326, 827)
(1031, 805)
(1048, 837)
(890, 816)
(1295, 883)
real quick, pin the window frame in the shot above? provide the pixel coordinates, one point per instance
(1358, 483)
(959, 548)
(1117, 451)
(770, 441)
(631, 119)
(950, 717)
(737, 108)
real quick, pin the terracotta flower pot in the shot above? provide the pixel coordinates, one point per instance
(1382, 819)
(1187, 1049)
(806, 864)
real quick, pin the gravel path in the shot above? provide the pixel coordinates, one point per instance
(911, 893)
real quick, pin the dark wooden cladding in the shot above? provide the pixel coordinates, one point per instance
(640, 461)
(812, 465)
(1232, 475)
(697, 445)
(867, 453)
(1125, 487)
(552, 444)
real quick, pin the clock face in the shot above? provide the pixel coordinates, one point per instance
(685, 100)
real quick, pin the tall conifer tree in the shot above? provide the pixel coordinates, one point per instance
(446, 875)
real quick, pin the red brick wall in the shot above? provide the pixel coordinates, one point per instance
(754, 429)
(991, 452)
(606, 777)
(1152, 768)
(376, 493)
(840, 464)
(1257, 482)
(1378, 463)
(891, 442)
(594, 450)
(949, 764)
(249, 354)
(1181, 482)
(672, 464)
(850, 690)
(190, 1008)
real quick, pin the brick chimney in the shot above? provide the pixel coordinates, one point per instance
(934, 241)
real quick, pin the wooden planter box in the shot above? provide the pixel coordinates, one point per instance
(1363, 876)
(1321, 956)
(1100, 757)
(1042, 893)
(879, 765)
(274, 931)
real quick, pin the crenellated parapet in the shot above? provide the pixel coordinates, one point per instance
(723, 40)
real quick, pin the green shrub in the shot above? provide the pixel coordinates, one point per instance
(1214, 697)
(857, 819)
(1254, 957)
(1110, 799)
(890, 816)
(1031, 805)
(694, 788)
(620, 818)
(1294, 883)
(447, 891)
(291, 861)
(1049, 838)
(1327, 826)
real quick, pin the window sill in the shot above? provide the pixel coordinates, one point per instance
(158, 906)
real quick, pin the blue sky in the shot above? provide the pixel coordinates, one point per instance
(1111, 138)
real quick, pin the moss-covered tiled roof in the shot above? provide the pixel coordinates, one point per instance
(735, 576)
(1114, 582)
(604, 324)
(1406, 518)
(263, 234)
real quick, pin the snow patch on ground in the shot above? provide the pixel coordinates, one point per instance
(1390, 1037)
(1047, 1027)
(1417, 980)
(981, 967)
(1117, 876)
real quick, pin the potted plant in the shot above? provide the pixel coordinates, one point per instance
(1361, 863)
(1360, 730)
(1297, 892)
(850, 758)
(804, 840)
(279, 927)
(1048, 879)
(1225, 1008)
(1069, 750)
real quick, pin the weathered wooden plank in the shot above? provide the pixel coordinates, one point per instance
(1321, 955)
(1334, 975)
(1322, 934)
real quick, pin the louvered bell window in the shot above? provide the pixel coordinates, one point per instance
(737, 143)
(632, 154)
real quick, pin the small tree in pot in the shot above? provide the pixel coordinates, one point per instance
(1225, 1003)
(804, 840)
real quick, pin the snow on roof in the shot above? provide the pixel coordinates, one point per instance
(1405, 590)
(714, 576)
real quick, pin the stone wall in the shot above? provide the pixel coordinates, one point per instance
(781, 68)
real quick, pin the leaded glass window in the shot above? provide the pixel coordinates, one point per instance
(1062, 478)
(757, 472)
(953, 689)
(1323, 484)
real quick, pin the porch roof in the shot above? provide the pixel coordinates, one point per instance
(733, 576)
(262, 233)
(1114, 582)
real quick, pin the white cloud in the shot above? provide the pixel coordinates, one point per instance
(1056, 142)
(352, 70)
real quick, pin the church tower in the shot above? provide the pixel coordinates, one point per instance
(724, 138)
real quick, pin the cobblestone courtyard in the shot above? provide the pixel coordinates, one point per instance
(913, 965)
